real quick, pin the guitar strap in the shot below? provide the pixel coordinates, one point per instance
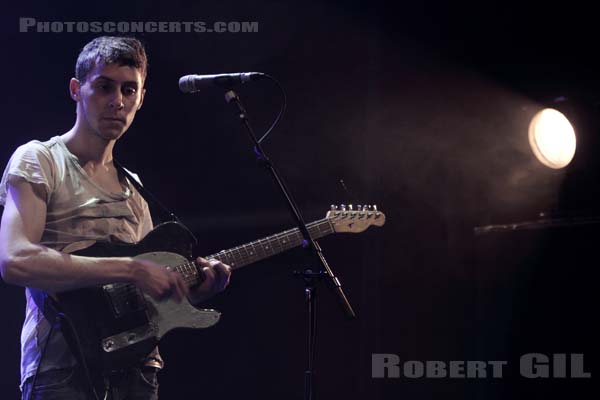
(152, 199)
(145, 193)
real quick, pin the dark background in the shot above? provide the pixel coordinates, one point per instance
(419, 107)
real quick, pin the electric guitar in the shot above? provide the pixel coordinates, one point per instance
(115, 326)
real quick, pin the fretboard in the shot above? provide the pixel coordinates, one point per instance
(261, 249)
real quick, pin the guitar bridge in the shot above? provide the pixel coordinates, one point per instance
(128, 338)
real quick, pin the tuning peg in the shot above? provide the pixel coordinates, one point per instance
(375, 207)
(350, 207)
(333, 207)
(343, 207)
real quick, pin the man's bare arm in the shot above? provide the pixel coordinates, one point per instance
(24, 262)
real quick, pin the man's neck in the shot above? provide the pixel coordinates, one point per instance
(88, 147)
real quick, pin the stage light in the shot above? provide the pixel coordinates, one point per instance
(552, 138)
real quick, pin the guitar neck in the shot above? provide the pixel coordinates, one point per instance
(257, 250)
(261, 249)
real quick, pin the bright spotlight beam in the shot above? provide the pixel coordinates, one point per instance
(552, 138)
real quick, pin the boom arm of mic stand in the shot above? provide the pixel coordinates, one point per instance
(332, 280)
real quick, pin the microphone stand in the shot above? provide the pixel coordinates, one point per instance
(310, 277)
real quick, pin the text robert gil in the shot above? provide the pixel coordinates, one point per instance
(531, 365)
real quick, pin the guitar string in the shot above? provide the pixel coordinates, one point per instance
(125, 290)
(277, 244)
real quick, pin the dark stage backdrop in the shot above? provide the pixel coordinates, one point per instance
(420, 108)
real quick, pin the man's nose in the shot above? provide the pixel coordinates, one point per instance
(117, 100)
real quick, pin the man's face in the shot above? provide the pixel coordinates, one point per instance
(109, 99)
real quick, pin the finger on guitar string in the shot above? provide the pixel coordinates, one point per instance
(158, 281)
(174, 288)
(215, 264)
(222, 275)
(181, 288)
(208, 276)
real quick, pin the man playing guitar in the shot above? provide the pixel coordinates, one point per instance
(65, 194)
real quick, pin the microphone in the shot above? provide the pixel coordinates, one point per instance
(194, 83)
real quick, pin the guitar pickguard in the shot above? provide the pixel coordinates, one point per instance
(163, 316)
(116, 325)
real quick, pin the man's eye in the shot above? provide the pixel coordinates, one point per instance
(130, 91)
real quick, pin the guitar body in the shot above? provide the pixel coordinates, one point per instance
(116, 325)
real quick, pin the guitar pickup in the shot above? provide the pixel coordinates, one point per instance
(124, 298)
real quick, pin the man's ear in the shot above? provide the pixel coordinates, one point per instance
(142, 98)
(75, 89)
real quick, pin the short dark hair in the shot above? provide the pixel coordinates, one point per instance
(111, 50)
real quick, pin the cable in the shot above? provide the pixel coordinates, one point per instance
(80, 356)
(57, 322)
(37, 370)
(281, 110)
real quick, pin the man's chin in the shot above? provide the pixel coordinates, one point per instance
(111, 134)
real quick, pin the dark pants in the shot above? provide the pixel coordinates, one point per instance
(71, 384)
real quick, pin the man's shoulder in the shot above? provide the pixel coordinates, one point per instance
(33, 161)
(38, 146)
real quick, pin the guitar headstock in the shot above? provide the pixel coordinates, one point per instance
(354, 219)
